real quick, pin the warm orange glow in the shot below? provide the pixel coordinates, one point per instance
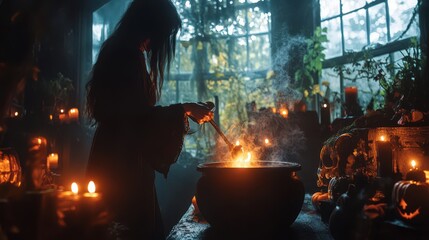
(382, 138)
(91, 187)
(242, 161)
(74, 188)
(74, 113)
(39, 141)
(267, 141)
(52, 160)
(51, 117)
(413, 164)
(274, 110)
(284, 112)
(16, 114)
(237, 143)
(61, 110)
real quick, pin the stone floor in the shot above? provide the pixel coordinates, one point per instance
(308, 225)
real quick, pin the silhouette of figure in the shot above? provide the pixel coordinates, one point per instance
(133, 136)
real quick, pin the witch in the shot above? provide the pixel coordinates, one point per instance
(134, 138)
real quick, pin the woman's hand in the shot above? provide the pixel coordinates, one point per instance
(199, 112)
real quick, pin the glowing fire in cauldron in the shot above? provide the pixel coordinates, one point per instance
(242, 161)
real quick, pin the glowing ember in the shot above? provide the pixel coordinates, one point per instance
(91, 187)
(382, 138)
(74, 188)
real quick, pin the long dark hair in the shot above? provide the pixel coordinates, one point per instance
(156, 20)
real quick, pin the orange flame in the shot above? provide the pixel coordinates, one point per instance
(74, 188)
(413, 164)
(382, 138)
(91, 187)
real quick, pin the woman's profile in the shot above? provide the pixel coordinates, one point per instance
(134, 138)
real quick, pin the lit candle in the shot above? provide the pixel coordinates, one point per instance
(415, 174)
(52, 161)
(385, 167)
(274, 110)
(382, 138)
(325, 114)
(16, 114)
(284, 112)
(75, 188)
(62, 115)
(237, 143)
(267, 141)
(91, 190)
(74, 114)
(351, 95)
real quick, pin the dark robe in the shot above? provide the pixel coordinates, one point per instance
(133, 139)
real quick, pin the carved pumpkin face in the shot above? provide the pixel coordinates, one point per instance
(411, 201)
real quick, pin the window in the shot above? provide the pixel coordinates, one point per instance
(382, 27)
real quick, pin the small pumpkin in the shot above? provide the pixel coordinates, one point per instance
(411, 201)
(317, 197)
(338, 186)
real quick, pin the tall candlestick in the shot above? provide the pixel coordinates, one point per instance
(384, 159)
(52, 161)
(351, 95)
(325, 114)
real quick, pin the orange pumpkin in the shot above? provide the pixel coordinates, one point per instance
(411, 201)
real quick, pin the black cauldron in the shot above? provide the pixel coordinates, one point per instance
(266, 195)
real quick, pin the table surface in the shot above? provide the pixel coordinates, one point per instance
(308, 225)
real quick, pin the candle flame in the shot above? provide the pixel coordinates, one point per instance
(237, 143)
(16, 114)
(51, 117)
(91, 187)
(413, 163)
(267, 141)
(74, 188)
(274, 110)
(284, 112)
(39, 141)
(325, 105)
(61, 110)
(382, 138)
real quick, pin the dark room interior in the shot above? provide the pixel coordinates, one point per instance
(214, 119)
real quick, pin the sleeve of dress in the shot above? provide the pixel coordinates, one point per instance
(163, 135)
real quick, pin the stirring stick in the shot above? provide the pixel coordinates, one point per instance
(216, 127)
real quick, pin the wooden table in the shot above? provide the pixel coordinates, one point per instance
(308, 225)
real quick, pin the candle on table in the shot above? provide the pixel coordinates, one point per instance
(74, 114)
(384, 157)
(53, 161)
(62, 115)
(351, 95)
(284, 112)
(415, 174)
(325, 114)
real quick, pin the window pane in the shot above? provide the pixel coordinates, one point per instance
(329, 8)
(355, 31)
(333, 47)
(400, 14)
(329, 75)
(259, 52)
(239, 23)
(240, 56)
(378, 27)
(258, 20)
(349, 5)
(186, 63)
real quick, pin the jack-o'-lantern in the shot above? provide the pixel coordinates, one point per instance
(411, 201)
(10, 169)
